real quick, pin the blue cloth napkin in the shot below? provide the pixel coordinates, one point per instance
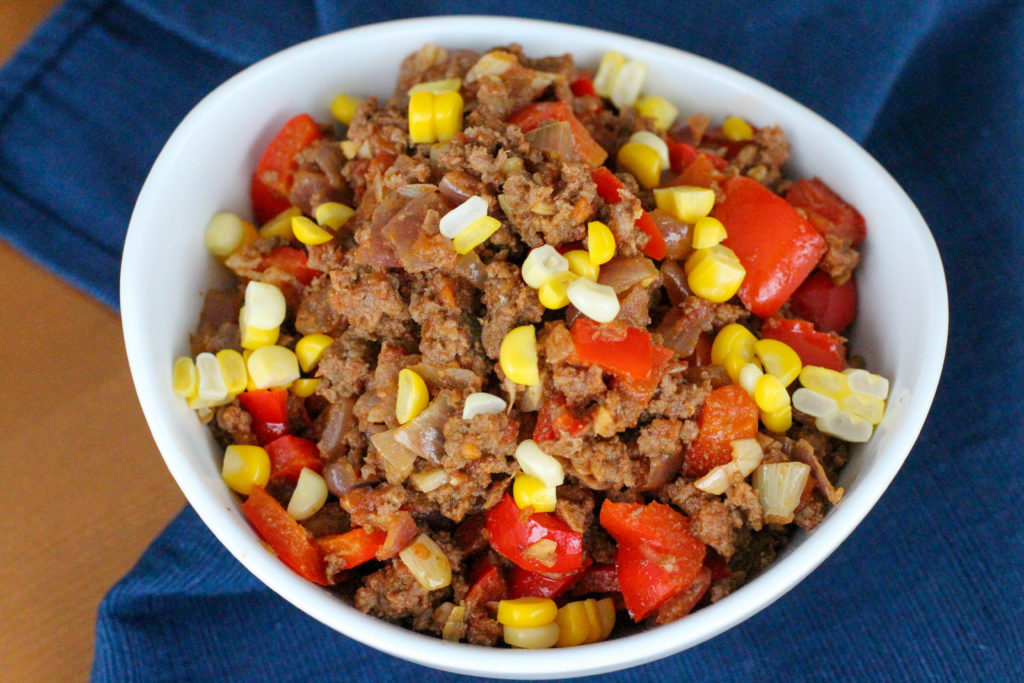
(929, 587)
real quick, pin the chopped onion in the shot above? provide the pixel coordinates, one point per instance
(428, 480)
(471, 267)
(678, 235)
(544, 551)
(309, 496)
(673, 277)
(338, 419)
(679, 332)
(398, 459)
(427, 562)
(455, 624)
(341, 477)
(779, 486)
(424, 434)
(401, 530)
(554, 138)
(458, 186)
(747, 454)
(623, 272)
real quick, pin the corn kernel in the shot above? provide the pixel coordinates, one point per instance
(600, 243)
(462, 216)
(304, 387)
(597, 302)
(447, 115)
(273, 366)
(308, 232)
(643, 162)
(580, 264)
(531, 638)
(421, 117)
(845, 426)
(226, 233)
(707, 232)
(211, 382)
(688, 203)
(413, 396)
(663, 112)
(184, 377)
(736, 129)
(437, 87)
(527, 612)
(779, 359)
(253, 337)
(646, 137)
(429, 480)
(867, 407)
(812, 403)
(573, 624)
(733, 338)
(533, 493)
(770, 394)
(608, 73)
(628, 83)
(349, 149)
(265, 305)
(482, 404)
(734, 365)
(281, 224)
(427, 563)
(232, 369)
(310, 349)
(332, 214)
(343, 108)
(541, 263)
(476, 234)
(714, 273)
(778, 421)
(867, 383)
(824, 381)
(594, 617)
(245, 467)
(748, 377)
(606, 608)
(309, 495)
(518, 356)
(554, 292)
(538, 464)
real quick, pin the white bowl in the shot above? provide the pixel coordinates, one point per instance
(205, 167)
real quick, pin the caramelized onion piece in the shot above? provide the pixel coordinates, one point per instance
(674, 279)
(623, 272)
(677, 234)
(401, 531)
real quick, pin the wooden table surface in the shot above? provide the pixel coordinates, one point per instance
(83, 489)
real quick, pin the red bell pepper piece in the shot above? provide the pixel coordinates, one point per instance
(523, 583)
(284, 535)
(644, 388)
(583, 86)
(350, 549)
(488, 586)
(293, 261)
(554, 420)
(813, 347)
(681, 155)
(269, 410)
(289, 454)
(608, 187)
(514, 535)
(586, 147)
(658, 556)
(829, 306)
(776, 245)
(827, 211)
(274, 173)
(728, 413)
(629, 356)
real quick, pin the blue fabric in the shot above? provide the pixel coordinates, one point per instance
(929, 587)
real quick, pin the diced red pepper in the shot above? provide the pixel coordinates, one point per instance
(274, 173)
(644, 388)
(586, 147)
(776, 245)
(681, 155)
(608, 187)
(515, 534)
(293, 261)
(290, 454)
(630, 356)
(269, 410)
(728, 413)
(489, 586)
(286, 537)
(829, 306)
(554, 420)
(523, 583)
(658, 556)
(827, 211)
(583, 86)
(813, 347)
(350, 549)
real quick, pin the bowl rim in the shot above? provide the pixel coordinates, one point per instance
(646, 646)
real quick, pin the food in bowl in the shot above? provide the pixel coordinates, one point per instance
(521, 356)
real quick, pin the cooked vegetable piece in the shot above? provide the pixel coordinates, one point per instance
(729, 413)
(274, 173)
(289, 541)
(516, 536)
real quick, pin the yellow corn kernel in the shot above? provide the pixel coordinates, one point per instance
(779, 359)
(421, 117)
(812, 403)
(655, 142)
(265, 305)
(245, 467)
(527, 612)
(332, 214)
(518, 356)
(594, 617)
(343, 108)
(211, 382)
(779, 421)
(310, 349)
(184, 377)
(554, 292)
(736, 129)
(309, 495)
(538, 464)
(531, 638)
(733, 338)
(232, 369)
(868, 407)
(349, 149)
(413, 396)
(608, 73)
(476, 234)
(845, 426)
(867, 383)
(281, 224)
(226, 233)
(824, 381)
(573, 624)
(714, 273)
(541, 263)
(308, 232)
(596, 301)
(255, 337)
(663, 112)
(249, 386)
(688, 203)
(580, 264)
(770, 394)
(707, 232)
(749, 374)
(273, 366)
(628, 84)
(447, 115)
(304, 387)
(533, 493)
(464, 215)
(643, 162)
(426, 560)
(600, 243)
(606, 609)
(437, 87)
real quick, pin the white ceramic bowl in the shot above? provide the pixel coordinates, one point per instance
(205, 167)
